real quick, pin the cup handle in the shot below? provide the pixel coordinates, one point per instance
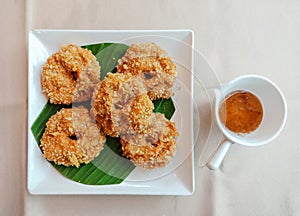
(217, 157)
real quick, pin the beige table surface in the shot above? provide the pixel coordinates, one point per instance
(237, 37)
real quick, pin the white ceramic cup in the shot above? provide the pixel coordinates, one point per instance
(274, 115)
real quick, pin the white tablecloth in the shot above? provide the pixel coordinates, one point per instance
(236, 37)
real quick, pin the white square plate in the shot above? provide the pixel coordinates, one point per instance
(177, 178)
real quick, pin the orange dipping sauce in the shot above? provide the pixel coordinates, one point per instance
(241, 112)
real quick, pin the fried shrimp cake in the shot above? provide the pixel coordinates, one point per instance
(153, 148)
(120, 105)
(158, 69)
(70, 75)
(71, 137)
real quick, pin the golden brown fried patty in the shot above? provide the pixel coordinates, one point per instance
(153, 148)
(71, 137)
(120, 104)
(70, 75)
(158, 70)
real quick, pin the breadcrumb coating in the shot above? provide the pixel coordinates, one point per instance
(102, 102)
(159, 71)
(71, 137)
(147, 49)
(113, 101)
(153, 148)
(141, 109)
(70, 75)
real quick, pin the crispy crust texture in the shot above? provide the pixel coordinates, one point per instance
(103, 102)
(158, 70)
(141, 109)
(70, 75)
(71, 137)
(153, 148)
(120, 105)
(146, 49)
